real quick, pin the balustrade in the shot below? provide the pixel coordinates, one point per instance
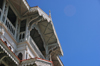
(33, 44)
(12, 30)
(10, 26)
(41, 62)
(22, 36)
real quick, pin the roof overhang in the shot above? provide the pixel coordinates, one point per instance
(21, 6)
(45, 24)
(56, 61)
(36, 10)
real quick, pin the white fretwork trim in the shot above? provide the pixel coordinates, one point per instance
(28, 62)
(26, 4)
(41, 13)
(8, 53)
(38, 62)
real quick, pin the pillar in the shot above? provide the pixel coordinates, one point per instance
(3, 9)
(6, 12)
(26, 33)
(16, 31)
(47, 53)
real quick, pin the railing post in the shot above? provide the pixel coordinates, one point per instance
(6, 13)
(18, 31)
(3, 9)
(16, 28)
(47, 53)
(26, 33)
(28, 36)
(0, 13)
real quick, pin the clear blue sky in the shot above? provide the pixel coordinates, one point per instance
(77, 23)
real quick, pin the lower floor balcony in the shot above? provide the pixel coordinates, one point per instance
(8, 58)
(32, 44)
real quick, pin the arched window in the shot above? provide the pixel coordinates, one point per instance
(34, 64)
(20, 56)
(38, 40)
(5, 42)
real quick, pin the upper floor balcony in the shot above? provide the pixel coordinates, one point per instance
(17, 29)
(8, 19)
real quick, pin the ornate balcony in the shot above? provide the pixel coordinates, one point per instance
(5, 52)
(36, 62)
(32, 44)
(7, 23)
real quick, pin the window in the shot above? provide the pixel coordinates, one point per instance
(23, 25)
(11, 16)
(20, 55)
(1, 3)
(5, 42)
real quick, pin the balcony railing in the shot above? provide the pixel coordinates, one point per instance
(21, 36)
(36, 62)
(42, 62)
(10, 27)
(33, 44)
(8, 24)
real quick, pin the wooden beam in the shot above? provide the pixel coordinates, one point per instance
(21, 7)
(48, 33)
(54, 44)
(36, 22)
(50, 38)
(14, 9)
(34, 18)
(45, 28)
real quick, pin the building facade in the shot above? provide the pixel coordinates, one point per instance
(27, 36)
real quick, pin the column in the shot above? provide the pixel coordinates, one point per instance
(6, 12)
(47, 53)
(26, 33)
(3, 9)
(16, 28)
